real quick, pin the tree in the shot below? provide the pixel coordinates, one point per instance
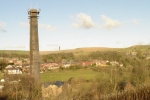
(3, 64)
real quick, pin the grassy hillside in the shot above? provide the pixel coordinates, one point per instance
(86, 50)
(82, 51)
(78, 51)
(14, 51)
(143, 48)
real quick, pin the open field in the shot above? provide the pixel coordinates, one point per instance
(65, 75)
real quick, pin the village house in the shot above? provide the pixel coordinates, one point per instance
(13, 71)
(101, 63)
(18, 63)
(114, 63)
(47, 66)
(10, 69)
(87, 63)
(121, 65)
(66, 64)
(26, 69)
(131, 53)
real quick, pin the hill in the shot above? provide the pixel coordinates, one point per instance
(85, 50)
(143, 48)
(14, 51)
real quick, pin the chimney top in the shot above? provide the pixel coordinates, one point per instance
(33, 11)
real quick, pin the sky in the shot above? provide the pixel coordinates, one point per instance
(74, 24)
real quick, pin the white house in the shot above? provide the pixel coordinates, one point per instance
(2, 80)
(9, 66)
(13, 71)
(66, 65)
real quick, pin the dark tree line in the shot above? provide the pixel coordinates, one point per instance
(57, 57)
(107, 55)
(3, 64)
(12, 55)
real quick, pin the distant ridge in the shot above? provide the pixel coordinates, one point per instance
(143, 48)
(85, 50)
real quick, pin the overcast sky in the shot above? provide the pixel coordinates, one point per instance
(75, 23)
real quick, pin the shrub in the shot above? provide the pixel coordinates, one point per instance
(21, 87)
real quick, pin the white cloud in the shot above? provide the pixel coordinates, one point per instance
(15, 47)
(2, 24)
(3, 30)
(118, 42)
(47, 26)
(135, 21)
(83, 21)
(110, 23)
(20, 46)
(140, 43)
(24, 24)
(52, 45)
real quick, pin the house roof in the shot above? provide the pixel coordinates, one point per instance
(12, 68)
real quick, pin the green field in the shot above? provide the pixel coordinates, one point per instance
(51, 76)
(65, 75)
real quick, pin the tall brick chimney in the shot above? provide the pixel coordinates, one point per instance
(34, 44)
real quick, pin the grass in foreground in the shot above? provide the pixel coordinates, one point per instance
(65, 75)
